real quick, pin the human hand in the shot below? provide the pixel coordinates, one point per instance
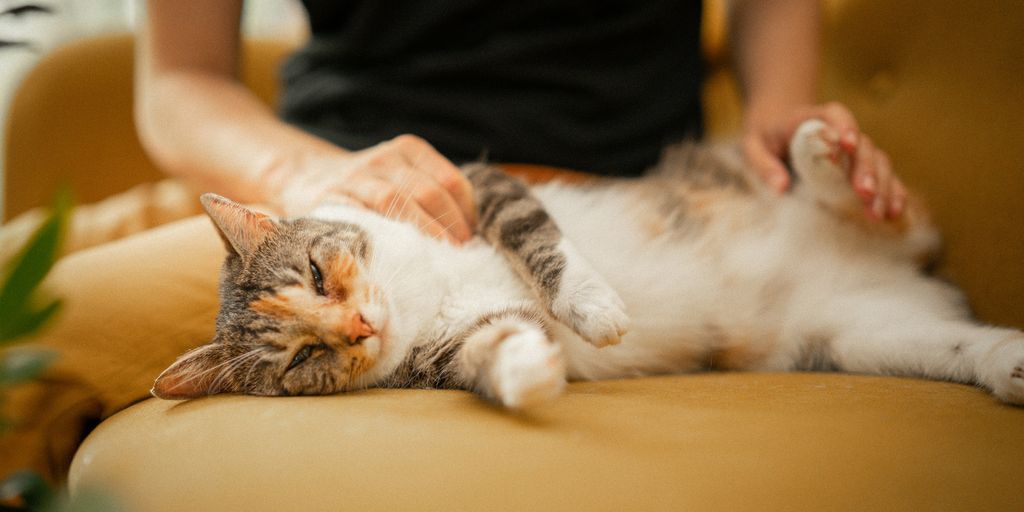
(766, 142)
(404, 178)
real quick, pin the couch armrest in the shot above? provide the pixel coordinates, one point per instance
(701, 442)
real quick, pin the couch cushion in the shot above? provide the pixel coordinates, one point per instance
(697, 442)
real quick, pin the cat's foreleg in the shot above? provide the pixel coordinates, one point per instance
(516, 223)
(509, 359)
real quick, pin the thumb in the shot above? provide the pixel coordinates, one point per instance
(766, 164)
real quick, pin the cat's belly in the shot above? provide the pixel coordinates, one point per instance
(692, 302)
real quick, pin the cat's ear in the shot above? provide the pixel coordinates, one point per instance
(197, 373)
(242, 229)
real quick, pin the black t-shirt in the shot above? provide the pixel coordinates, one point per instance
(593, 85)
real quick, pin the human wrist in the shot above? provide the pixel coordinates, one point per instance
(286, 169)
(769, 109)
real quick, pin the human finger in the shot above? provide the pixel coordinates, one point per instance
(384, 180)
(438, 204)
(840, 119)
(887, 193)
(396, 200)
(863, 174)
(421, 155)
(431, 225)
(883, 175)
(765, 163)
(898, 203)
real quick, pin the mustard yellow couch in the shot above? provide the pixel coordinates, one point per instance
(935, 82)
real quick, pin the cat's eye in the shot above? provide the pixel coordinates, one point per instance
(301, 356)
(318, 278)
(305, 353)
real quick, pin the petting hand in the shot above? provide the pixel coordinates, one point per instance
(403, 178)
(766, 142)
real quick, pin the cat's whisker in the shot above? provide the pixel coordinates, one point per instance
(197, 374)
(447, 228)
(405, 183)
(406, 197)
(397, 270)
(248, 374)
(394, 199)
(395, 273)
(193, 375)
(444, 228)
(351, 378)
(235, 363)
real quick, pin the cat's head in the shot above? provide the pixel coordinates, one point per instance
(299, 312)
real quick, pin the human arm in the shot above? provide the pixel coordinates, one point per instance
(199, 122)
(777, 50)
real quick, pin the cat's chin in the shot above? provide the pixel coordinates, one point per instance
(374, 346)
(377, 350)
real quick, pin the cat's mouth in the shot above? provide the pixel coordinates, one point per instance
(377, 319)
(377, 341)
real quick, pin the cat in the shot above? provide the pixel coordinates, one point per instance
(695, 266)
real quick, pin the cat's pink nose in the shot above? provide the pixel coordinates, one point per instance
(358, 327)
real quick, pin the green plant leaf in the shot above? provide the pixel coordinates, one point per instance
(28, 486)
(84, 500)
(27, 322)
(17, 366)
(26, 271)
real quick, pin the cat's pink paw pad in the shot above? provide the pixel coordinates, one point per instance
(528, 371)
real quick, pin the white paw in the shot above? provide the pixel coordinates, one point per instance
(814, 151)
(528, 370)
(1005, 371)
(588, 305)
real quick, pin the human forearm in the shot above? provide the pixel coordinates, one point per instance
(199, 122)
(194, 116)
(214, 133)
(776, 48)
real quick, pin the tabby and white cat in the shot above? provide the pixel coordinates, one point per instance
(702, 265)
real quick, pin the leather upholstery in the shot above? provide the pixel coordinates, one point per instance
(700, 442)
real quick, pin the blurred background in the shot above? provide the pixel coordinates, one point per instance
(30, 29)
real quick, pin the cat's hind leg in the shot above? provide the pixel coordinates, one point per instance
(876, 334)
(960, 352)
(1002, 370)
(510, 359)
(821, 167)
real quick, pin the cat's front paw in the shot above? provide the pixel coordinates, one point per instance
(528, 370)
(589, 306)
(594, 311)
(1004, 373)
